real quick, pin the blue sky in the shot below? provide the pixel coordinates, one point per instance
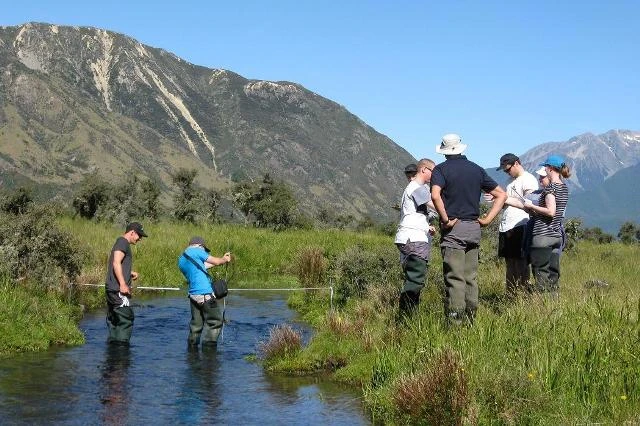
(505, 75)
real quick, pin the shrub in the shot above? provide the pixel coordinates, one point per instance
(356, 270)
(438, 396)
(283, 341)
(18, 201)
(33, 248)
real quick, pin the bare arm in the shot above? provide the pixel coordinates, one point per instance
(549, 210)
(499, 197)
(118, 257)
(216, 261)
(438, 204)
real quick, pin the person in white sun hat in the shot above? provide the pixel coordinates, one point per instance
(456, 187)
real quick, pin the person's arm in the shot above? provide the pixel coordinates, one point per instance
(118, 257)
(499, 197)
(216, 261)
(438, 203)
(548, 210)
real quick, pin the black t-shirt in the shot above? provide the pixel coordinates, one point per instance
(122, 245)
(462, 182)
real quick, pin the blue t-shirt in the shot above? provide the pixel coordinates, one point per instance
(198, 281)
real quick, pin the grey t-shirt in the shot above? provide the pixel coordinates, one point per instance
(112, 284)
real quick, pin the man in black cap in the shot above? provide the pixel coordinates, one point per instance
(514, 222)
(118, 284)
(206, 316)
(410, 171)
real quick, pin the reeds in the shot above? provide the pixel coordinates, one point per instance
(283, 341)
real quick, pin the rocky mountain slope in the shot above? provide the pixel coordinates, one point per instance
(74, 100)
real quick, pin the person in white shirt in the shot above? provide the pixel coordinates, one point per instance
(513, 223)
(413, 235)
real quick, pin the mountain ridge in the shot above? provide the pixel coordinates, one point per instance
(83, 99)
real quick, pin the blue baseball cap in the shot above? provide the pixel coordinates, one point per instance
(556, 161)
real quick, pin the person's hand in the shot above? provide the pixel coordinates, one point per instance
(528, 204)
(432, 230)
(227, 257)
(125, 289)
(483, 220)
(134, 275)
(449, 224)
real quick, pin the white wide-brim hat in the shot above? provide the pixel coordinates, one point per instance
(451, 144)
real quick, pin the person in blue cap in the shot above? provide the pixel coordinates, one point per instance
(547, 216)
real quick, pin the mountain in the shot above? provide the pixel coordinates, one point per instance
(77, 100)
(611, 204)
(602, 170)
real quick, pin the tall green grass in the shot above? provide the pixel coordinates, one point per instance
(537, 359)
(31, 320)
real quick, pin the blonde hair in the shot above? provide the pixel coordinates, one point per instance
(425, 162)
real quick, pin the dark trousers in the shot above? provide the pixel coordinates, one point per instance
(120, 324)
(460, 269)
(206, 322)
(415, 271)
(545, 265)
(544, 255)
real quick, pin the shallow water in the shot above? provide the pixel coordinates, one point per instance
(158, 380)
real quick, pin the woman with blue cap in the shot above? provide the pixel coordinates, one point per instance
(547, 216)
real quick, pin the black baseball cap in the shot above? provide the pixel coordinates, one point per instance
(411, 169)
(136, 226)
(507, 160)
(199, 241)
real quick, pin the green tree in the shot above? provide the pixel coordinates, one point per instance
(274, 205)
(210, 204)
(597, 235)
(187, 201)
(92, 194)
(629, 233)
(150, 194)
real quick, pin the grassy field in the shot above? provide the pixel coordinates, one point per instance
(534, 360)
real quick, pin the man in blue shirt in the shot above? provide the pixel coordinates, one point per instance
(456, 187)
(206, 316)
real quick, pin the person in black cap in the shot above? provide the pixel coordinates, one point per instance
(118, 284)
(206, 316)
(410, 171)
(513, 223)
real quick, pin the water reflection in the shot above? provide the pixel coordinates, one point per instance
(114, 385)
(200, 397)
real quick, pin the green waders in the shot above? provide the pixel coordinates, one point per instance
(415, 270)
(206, 321)
(460, 269)
(120, 323)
